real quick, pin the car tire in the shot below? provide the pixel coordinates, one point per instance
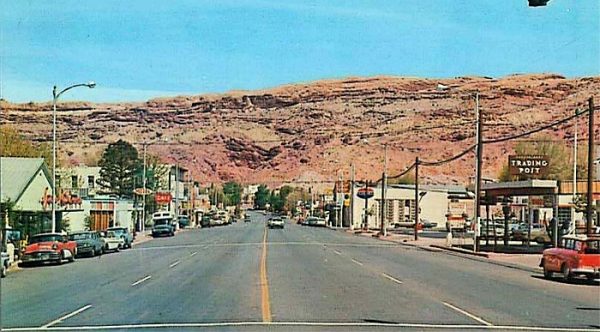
(566, 272)
(547, 273)
(93, 252)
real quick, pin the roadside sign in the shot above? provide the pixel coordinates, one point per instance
(528, 165)
(163, 197)
(365, 193)
(142, 192)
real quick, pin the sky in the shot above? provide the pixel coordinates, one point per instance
(140, 49)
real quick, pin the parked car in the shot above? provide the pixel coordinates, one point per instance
(124, 233)
(184, 221)
(311, 221)
(163, 230)
(538, 233)
(4, 261)
(49, 247)
(275, 222)
(576, 255)
(111, 241)
(495, 229)
(320, 222)
(88, 243)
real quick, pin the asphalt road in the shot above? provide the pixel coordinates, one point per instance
(244, 277)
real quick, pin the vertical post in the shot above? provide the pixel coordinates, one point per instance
(352, 199)
(590, 164)
(54, 97)
(478, 177)
(383, 230)
(574, 170)
(416, 198)
(366, 222)
(176, 195)
(143, 225)
(342, 200)
(487, 222)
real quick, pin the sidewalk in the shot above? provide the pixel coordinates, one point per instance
(525, 262)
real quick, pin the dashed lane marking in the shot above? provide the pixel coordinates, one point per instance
(387, 276)
(193, 254)
(174, 264)
(337, 252)
(141, 280)
(479, 319)
(67, 316)
(357, 262)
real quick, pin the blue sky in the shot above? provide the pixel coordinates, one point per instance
(139, 49)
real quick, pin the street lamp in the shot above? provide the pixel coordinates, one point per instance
(55, 97)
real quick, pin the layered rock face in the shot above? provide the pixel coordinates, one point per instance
(314, 131)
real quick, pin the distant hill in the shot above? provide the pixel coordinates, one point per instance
(309, 131)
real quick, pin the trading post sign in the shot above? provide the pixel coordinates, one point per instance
(528, 165)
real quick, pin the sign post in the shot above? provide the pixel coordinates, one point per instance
(366, 193)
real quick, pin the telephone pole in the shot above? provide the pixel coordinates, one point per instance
(383, 231)
(478, 175)
(352, 198)
(590, 175)
(416, 198)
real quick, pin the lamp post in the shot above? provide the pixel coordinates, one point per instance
(55, 97)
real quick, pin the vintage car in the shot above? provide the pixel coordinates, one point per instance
(49, 247)
(275, 222)
(88, 243)
(111, 241)
(576, 255)
(124, 233)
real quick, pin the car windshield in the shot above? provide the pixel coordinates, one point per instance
(80, 236)
(300, 165)
(45, 238)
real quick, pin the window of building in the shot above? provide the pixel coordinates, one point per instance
(91, 181)
(74, 181)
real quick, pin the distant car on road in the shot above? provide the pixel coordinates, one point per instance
(49, 247)
(88, 243)
(275, 222)
(4, 260)
(163, 224)
(124, 233)
(111, 241)
(576, 255)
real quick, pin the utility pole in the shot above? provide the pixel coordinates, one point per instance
(416, 198)
(352, 198)
(143, 225)
(366, 222)
(478, 176)
(590, 164)
(177, 193)
(383, 231)
(342, 200)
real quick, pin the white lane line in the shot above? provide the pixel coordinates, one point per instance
(174, 264)
(193, 254)
(387, 276)
(357, 262)
(56, 321)
(337, 252)
(292, 323)
(141, 280)
(479, 319)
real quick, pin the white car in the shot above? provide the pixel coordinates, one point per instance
(111, 241)
(275, 222)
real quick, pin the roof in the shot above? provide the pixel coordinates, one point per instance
(17, 173)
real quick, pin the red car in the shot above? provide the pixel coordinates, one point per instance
(576, 255)
(49, 247)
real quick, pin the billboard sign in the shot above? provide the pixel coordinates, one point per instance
(163, 197)
(528, 165)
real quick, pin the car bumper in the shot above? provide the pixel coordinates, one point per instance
(84, 250)
(40, 257)
(276, 225)
(586, 270)
(161, 233)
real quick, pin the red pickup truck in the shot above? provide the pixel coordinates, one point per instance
(576, 255)
(49, 247)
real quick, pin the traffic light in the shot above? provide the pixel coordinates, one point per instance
(538, 3)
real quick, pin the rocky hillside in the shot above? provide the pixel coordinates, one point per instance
(307, 132)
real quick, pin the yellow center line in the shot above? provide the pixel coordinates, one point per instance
(264, 283)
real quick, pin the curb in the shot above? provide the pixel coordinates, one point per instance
(482, 257)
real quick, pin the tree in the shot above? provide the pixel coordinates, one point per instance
(118, 167)
(261, 198)
(12, 144)
(233, 193)
(405, 179)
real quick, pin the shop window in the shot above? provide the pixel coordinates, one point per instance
(91, 181)
(74, 182)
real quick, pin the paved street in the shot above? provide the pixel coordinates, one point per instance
(243, 277)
